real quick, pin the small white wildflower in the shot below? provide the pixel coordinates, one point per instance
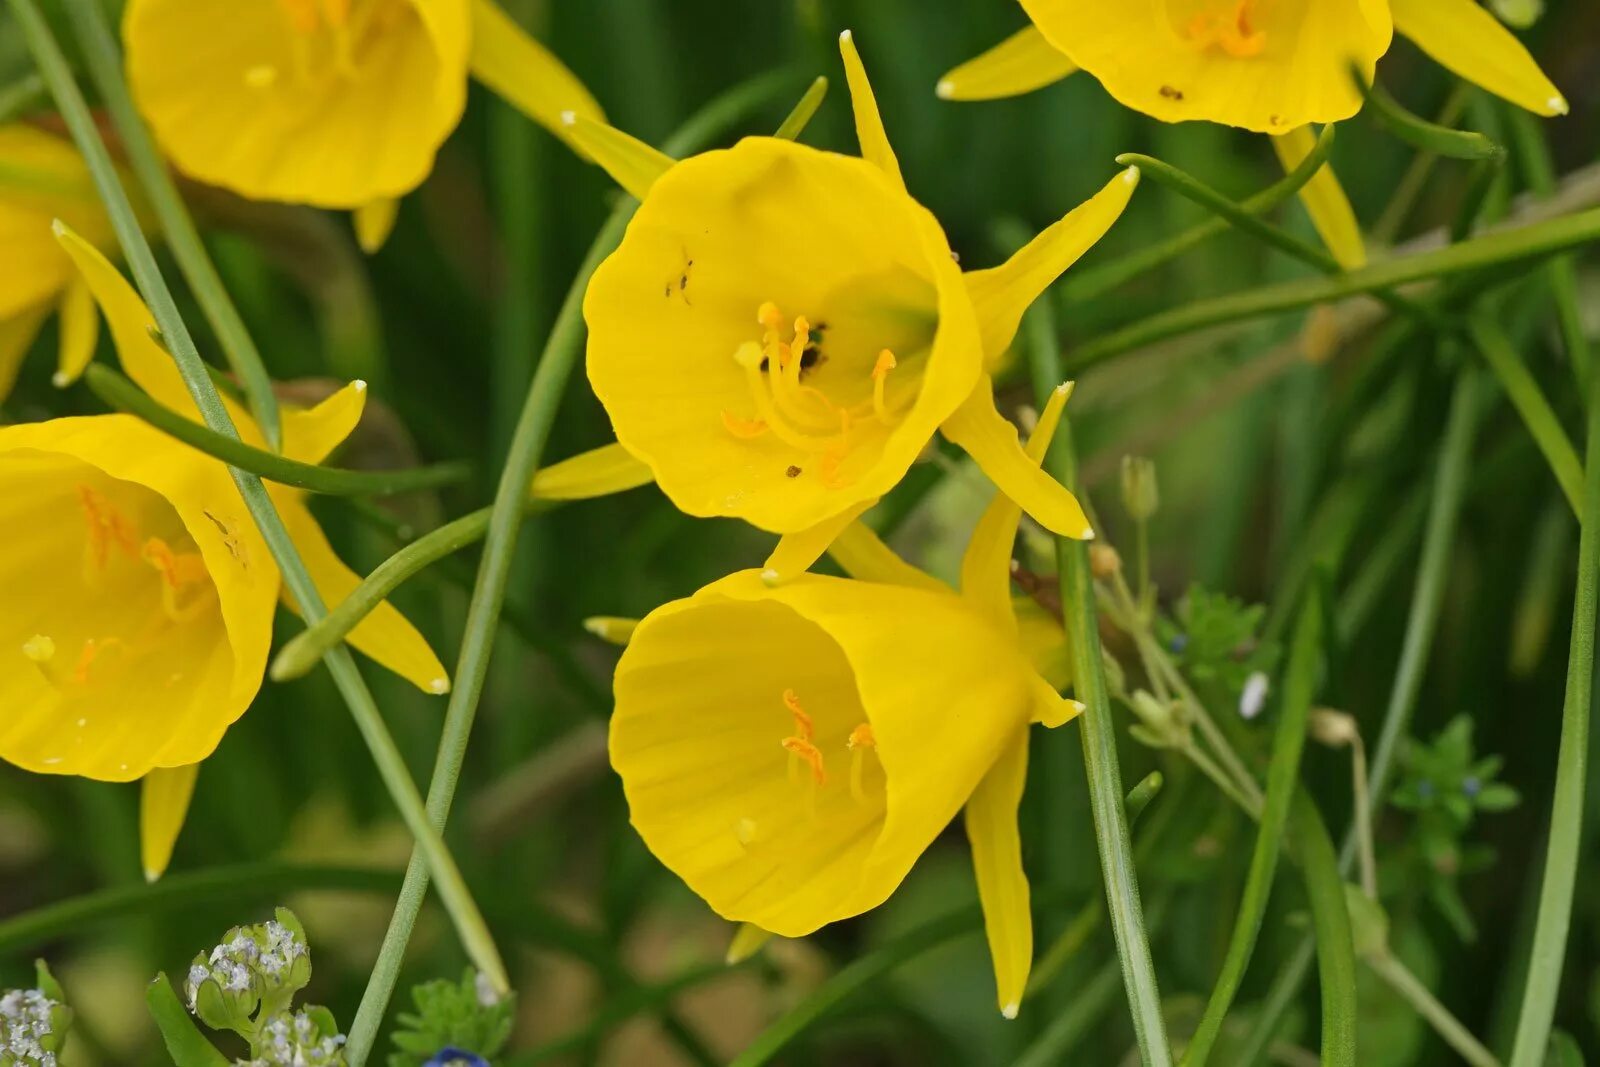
(1254, 697)
(28, 1036)
(488, 997)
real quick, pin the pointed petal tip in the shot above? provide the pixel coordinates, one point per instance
(1131, 175)
(846, 37)
(945, 90)
(61, 379)
(771, 577)
(439, 686)
(59, 228)
(151, 876)
(360, 385)
(1010, 1010)
(1557, 105)
(569, 118)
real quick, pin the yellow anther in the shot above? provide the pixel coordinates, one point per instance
(1233, 33)
(40, 651)
(744, 429)
(177, 570)
(91, 652)
(880, 375)
(769, 316)
(803, 725)
(859, 741)
(809, 754)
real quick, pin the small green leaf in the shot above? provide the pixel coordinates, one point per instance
(185, 1044)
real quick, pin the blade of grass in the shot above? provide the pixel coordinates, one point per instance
(1100, 757)
(549, 384)
(1548, 952)
(104, 61)
(458, 902)
(121, 394)
(1529, 400)
(1330, 925)
(1283, 775)
(1493, 249)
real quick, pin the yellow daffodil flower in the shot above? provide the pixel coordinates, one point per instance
(335, 103)
(790, 751)
(782, 330)
(1273, 66)
(43, 178)
(139, 596)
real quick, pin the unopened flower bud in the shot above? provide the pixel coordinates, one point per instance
(1139, 493)
(253, 967)
(33, 1023)
(306, 1038)
(1161, 724)
(1103, 560)
(1336, 729)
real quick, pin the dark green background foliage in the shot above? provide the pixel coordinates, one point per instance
(1272, 467)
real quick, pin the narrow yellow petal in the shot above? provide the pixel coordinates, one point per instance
(374, 222)
(986, 566)
(385, 635)
(991, 819)
(597, 472)
(1021, 63)
(631, 163)
(875, 147)
(164, 796)
(1001, 294)
(796, 552)
(80, 329)
(612, 629)
(748, 939)
(1324, 200)
(525, 74)
(16, 337)
(131, 322)
(862, 554)
(311, 434)
(992, 441)
(1471, 42)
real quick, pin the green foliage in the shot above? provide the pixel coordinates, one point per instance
(464, 1015)
(1445, 786)
(1215, 639)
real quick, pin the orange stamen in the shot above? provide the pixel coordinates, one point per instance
(808, 753)
(86, 658)
(744, 429)
(802, 722)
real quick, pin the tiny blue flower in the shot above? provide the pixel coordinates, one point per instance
(1424, 789)
(454, 1057)
(1471, 786)
(1178, 643)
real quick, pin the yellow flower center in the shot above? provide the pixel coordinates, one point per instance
(1234, 27)
(327, 37)
(803, 749)
(785, 404)
(112, 561)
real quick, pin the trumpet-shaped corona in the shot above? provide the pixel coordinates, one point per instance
(337, 103)
(782, 330)
(735, 706)
(137, 597)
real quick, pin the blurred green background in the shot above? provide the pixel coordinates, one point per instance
(1275, 442)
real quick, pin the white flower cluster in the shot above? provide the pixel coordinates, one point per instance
(296, 1041)
(236, 963)
(26, 1024)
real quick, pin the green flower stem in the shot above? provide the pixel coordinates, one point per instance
(549, 384)
(1100, 764)
(1283, 776)
(1500, 247)
(1400, 979)
(123, 395)
(1423, 135)
(303, 652)
(1085, 285)
(474, 933)
(178, 892)
(1554, 920)
(177, 227)
(1537, 414)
